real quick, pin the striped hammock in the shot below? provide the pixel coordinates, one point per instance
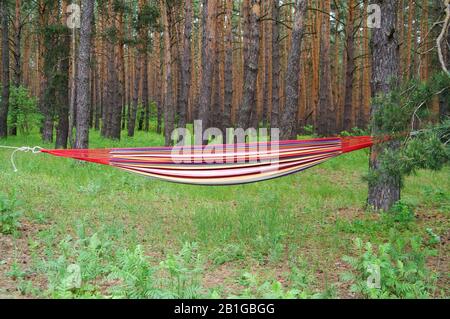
(222, 164)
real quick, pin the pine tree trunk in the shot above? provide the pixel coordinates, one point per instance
(4, 107)
(290, 112)
(350, 69)
(327, 116)
(228, 68)
(276, 66)
(208, 39)
(266, 86)
(186, 65)
(134, 106)
(145, 102)
(17, 54)
(62, 129)
(251, 67)
(385, 190)
(83, 94)
(169, 107)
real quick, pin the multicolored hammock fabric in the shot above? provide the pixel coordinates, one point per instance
(222, 164)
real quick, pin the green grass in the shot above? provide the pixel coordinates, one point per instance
(278, 231)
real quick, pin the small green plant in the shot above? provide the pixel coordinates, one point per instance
(135, 273)
(401, 213)
(434, 239)
(9, 215)
(184, 270)
(24, 113)
(402, 269)
(227, 254)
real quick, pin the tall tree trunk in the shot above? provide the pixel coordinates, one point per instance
(186, 65)
(276, 66)
(409, 38)
(145, 117)
(327, 116)
(349, 69)
(17, 53)
(251, 66)
(169, 107)
(62, 129)
(208, 39)
(385, 190)
(228, 72)
(289, 118)
(83, 94)
(134, 106)
(4, 107)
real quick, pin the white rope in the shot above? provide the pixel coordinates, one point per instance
(25, 149)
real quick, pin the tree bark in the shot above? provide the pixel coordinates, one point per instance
(289, 119)
(208, 39)
(327, 114)
(169, 107)
(4, 107)
(385, 190)
(349, 69)
(134, 106)
(276, 66)
(228, 66)
(83, 87)
(251, 66)
(17, 54)
(186, 65)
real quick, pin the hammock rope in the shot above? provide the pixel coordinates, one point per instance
(26, 149)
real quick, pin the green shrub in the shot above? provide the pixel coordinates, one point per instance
(9, 215)
(402, 269)
(24, 110)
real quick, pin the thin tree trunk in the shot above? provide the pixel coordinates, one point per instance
(327, 116)
(385, 190)
(276, 66)
(228, 72)
(186, 64)
(289, 118)
(169, 107)
(17, 53)
(349, 69)
(145, 117)
(134, 106)
(83, 94)
(4, 107)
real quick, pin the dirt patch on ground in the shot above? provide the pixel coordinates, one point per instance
(16, 251)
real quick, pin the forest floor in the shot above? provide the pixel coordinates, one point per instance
(130, 236)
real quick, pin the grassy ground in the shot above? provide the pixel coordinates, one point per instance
(130, 236)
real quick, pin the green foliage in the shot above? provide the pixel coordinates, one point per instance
(356, 131)
(135, 273)
(23, 110)
(402, 264)
(9, 215)
(184, 271)
(400, 111)
(400, 213)
(229, 253)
